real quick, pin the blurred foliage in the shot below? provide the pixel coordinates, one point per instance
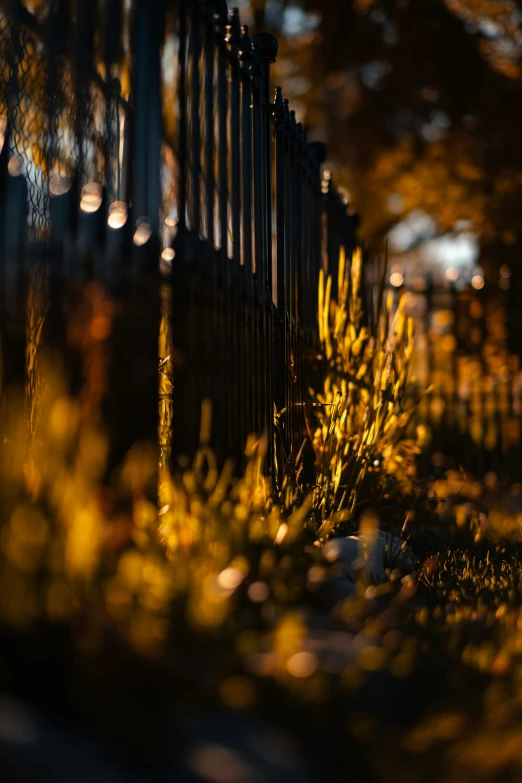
(419, 103)
(222, 585)
(499, 25)
(462, 353)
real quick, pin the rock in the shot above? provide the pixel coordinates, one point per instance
(369, 555)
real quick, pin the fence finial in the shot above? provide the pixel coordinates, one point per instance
(319, 150)
(233, 29)
(267, 46)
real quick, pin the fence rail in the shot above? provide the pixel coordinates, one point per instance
(144, 147)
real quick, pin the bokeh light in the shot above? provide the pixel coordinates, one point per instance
(143, 231)
(117, 214)
(3, 127)
(168, 254)
(15, 165)
(91, 197)
(302, 664)
(452, 274)
(59, 182)
(258, 592)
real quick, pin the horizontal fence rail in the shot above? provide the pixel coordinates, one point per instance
(144, 149)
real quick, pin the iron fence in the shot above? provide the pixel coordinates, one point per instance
(144, 148)
(473, 410)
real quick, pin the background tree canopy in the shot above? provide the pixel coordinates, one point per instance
(420, 104)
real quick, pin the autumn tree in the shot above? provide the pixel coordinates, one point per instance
(419, 102)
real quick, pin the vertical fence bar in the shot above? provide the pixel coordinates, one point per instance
(318, 155)
(132, 407)
(235, 148)
(224, 324)
(182, 437)
(208, 97)
(196, 324)
(292, 270)
(57, 34)
(13, 218)
(182, 125)
(314, 262)
(259, 291)
(112, 57)
(289, 232)
(83, 68)
(246, 229)
(208, 255)
(237, 396)
(195, 121)
(307, 276)
(300, 265)
(267, 48)
(13, 252)
(281, 363)
(222, 101)
(4, 178)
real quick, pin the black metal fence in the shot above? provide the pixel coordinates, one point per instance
(474, 408)
(144, 148)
